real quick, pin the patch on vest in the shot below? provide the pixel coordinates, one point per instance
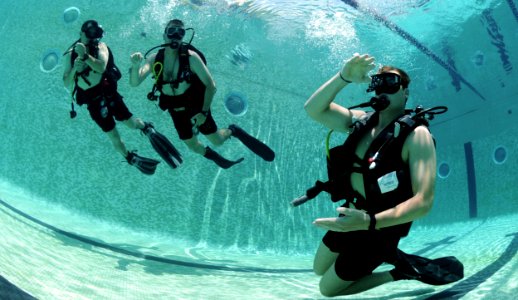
(388, 182)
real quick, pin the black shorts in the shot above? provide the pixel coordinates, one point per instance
(182, 108)
(360, 252)
(104, 106)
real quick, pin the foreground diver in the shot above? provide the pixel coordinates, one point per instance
(186, 90)
(386, 172)
(90, 73)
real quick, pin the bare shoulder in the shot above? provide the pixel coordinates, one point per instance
(103, 50)
(419, 142)
(102, 46)
(193, 56)
(151, 58)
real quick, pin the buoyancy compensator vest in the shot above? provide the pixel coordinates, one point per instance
(386, 176)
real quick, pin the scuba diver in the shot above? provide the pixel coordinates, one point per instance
(91, 75)
(385, 171)
(186, 90)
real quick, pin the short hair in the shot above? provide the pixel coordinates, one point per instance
(405, 79)
(175, 22)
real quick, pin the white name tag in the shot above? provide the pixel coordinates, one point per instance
(388, 182)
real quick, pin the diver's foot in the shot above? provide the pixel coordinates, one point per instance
(148, 129)
(143, 164)
(403, 268)
(437, 271)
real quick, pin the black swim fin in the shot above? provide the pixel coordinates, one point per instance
(220, 160)
(144, 164)
(162, 146)
(437, 271)
(258, 147)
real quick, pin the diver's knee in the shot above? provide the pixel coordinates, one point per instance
(319, 271)
(217, 142)
(135, 123)
(325, 291)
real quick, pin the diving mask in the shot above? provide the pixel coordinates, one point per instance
(92, 30)
(385, 83)
(175, 33)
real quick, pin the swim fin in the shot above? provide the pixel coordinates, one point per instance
(144, 164)
(437, 271)
(258, 147)
(220, 160)
(162, 146)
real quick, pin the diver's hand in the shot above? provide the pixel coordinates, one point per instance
(357, 68)
(198, 119)
(79, 65)
(80, 49)
(136, 58)
(352, 220)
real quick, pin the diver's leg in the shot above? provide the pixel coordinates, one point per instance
(195, 145)
(366, 283)
(210, 130)
(360, 253)
(134, 123)
(324, 259)
(331, 285)
(219, 137)
(117, 142)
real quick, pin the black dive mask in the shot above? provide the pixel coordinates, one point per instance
(92, 30)
(175, 33)
(385, 83)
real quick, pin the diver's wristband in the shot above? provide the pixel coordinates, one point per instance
(348, 81)
(372, 223)
(205, 113)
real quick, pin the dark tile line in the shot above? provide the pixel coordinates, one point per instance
(12, 292)
(467, 285)
(472, 180)
(412, 40)
(92, 242)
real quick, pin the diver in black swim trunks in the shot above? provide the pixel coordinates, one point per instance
(186, 89)
(91, 74)
(386, 173)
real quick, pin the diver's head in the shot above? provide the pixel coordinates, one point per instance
(390, 86)
(174, 33)
(91, 31)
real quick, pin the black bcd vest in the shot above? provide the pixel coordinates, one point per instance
(386, 177)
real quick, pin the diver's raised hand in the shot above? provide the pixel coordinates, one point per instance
(136, 58)
(357, 68)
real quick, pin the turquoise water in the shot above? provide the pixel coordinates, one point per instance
(65, 173)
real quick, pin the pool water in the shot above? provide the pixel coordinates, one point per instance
(77, 222)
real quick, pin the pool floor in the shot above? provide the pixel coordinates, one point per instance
(46, 264)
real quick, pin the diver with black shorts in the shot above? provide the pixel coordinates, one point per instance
(185, 88)
(385, 172)
(91, 75)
